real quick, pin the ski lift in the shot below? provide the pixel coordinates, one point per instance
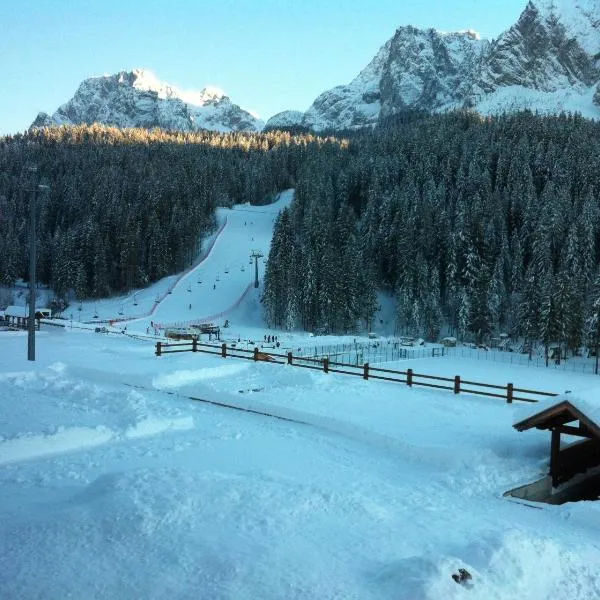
(80, 307)
(189, 288)
(250, 261)
(226, 270)
(243, 268)
(121, 310)
(95, 312)
(217, 279)
(135, 300)
(156, 299)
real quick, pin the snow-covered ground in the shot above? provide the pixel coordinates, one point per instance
(118, 481)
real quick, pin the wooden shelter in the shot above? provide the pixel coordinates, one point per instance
(18, 316)
(566, 418)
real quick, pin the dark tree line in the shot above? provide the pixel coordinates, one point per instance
(475, 225)
(127, 207)
(479, 225)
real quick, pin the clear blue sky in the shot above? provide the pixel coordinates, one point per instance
(267, 55)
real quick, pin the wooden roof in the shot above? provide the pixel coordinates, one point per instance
(558, 415)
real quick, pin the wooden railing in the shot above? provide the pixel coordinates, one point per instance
(454, 384)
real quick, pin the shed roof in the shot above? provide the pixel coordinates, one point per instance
(561, 413)
(21, 311)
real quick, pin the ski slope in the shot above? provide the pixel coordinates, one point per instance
(208, 291)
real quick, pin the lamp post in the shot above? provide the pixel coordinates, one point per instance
(32, 265)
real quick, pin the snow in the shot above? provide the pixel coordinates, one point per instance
(579, 17)
(103, 98)
(125, 475)
(516, 97)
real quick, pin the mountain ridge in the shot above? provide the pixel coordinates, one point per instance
(138, 99)
(548, 61)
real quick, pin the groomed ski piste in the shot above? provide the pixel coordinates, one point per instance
(116, 483)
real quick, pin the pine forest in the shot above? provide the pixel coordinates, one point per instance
(474, 225)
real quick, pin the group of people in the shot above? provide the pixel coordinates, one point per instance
(272, 339)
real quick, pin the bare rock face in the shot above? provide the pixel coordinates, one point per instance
(137, 99)
(549, 61)
(550, 48)
(429, 70)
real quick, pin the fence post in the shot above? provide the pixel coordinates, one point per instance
(194, 344)
(289, 358)
(509, 393)
(255, 352)
(326, 365)
(224, 350)
(409, 377)
(457, 384)
(158, 349)
(366, 371)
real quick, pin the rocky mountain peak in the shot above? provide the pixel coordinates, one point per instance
(546, 50)
(548, 61)
(138, 99)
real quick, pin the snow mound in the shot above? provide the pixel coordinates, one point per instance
(520, 565)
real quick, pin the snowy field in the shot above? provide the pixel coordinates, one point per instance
(118, 481)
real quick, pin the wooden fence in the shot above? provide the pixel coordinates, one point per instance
(454, 384)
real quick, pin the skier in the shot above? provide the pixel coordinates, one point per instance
(214, 286)
(190, 307)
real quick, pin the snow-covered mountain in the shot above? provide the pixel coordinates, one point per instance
(549, 61)
(138, 99)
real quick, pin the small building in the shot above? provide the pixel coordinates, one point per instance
(18, 316)
(449, 342)
(574, 468)
(504, 342)
(181, 333)
(209, 328)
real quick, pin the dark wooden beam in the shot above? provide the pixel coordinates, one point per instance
(579, 431)
(554, 452)
(576, 458)
(556, 421)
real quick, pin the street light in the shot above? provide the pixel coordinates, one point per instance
(33, 189)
